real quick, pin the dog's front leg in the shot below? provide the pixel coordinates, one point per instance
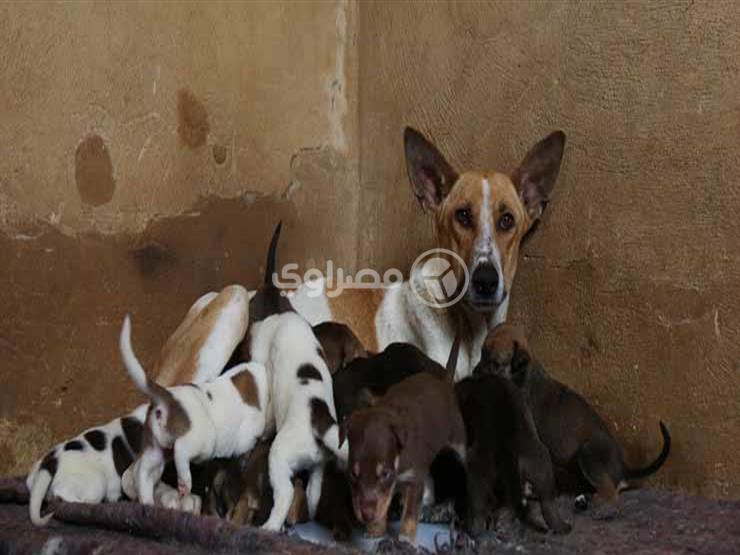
(150, 467)
(182, 465)
(410, 516)
(281, 473)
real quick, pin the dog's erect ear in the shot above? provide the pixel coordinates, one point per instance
(430, 174)
(535, 177)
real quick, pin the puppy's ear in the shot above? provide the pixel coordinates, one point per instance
(535, 177)
(366, 399)
(519, 362)
(401, 433)
(430, 174)
(343, 427)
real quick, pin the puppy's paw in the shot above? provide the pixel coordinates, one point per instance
(183, 488)
(191, 503)
(272, 526)
(562, 528)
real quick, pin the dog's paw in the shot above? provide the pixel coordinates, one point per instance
(272, 526)
(182, 488)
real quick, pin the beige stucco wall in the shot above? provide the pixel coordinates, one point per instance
(149, 148)
(630, 285)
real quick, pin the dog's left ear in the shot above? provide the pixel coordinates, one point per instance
(536, 175)
(430, 174)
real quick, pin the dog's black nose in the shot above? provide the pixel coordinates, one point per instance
(485, 280)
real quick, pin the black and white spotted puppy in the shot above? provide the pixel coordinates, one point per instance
(86, 468)
(223, 417)
(302, 401)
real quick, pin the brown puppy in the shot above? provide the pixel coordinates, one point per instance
(503, 452)
(240, 490)
(577, 437)
(392, 445)
(340, 345)
(334, 508)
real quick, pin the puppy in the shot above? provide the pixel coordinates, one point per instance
(341, 346)
(86, 468)
(357, 383)
(503, 452)
(301, 396)
(219, 418)
(240, 490)
(393, 443)
(576, 436)
(332, 507)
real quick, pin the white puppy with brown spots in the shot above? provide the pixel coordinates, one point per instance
(223, 417)
(300, 392)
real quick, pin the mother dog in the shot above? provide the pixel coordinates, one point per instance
(482, 217)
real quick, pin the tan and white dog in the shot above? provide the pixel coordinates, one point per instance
(482, 217)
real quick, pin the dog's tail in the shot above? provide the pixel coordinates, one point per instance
(149, 388)
(38, 493)
(652, 468)
(326, 430)
(451, 365)
(269, 299)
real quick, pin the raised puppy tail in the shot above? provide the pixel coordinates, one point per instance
(326, 430)
(268, 300)
(38, 493)
(272, 256)
(652, 468)
(451, 365)
(149, 388)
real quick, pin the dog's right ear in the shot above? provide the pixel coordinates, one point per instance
(430, 174)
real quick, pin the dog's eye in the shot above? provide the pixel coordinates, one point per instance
(506, 222)
(464, 217)
(158, 413)
(386, 475)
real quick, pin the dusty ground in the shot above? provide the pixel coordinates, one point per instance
(645, 522)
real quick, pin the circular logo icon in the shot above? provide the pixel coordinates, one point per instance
(437, 284)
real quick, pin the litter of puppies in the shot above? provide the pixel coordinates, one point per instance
(274, 413)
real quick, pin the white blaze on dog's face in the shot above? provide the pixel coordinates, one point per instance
(483, 216)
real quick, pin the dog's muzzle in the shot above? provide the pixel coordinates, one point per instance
(486, 290)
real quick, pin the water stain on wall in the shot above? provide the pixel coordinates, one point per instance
(192, 119)
(94, 171)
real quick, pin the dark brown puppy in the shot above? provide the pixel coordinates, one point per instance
(503, 452)
(364, 378)
(340, 345)
(577, 437)
(393, 443)
(334, 509)
(358, 384)
(240, 490)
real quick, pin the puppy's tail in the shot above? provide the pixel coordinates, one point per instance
(38, 493)
(652, 468)
(451, 365)
(149, 388)
(326, 430)
(269, 299)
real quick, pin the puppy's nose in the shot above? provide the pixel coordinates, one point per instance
(485, 280)
(368, 511)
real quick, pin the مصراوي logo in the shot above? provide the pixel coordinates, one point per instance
(439, 282)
